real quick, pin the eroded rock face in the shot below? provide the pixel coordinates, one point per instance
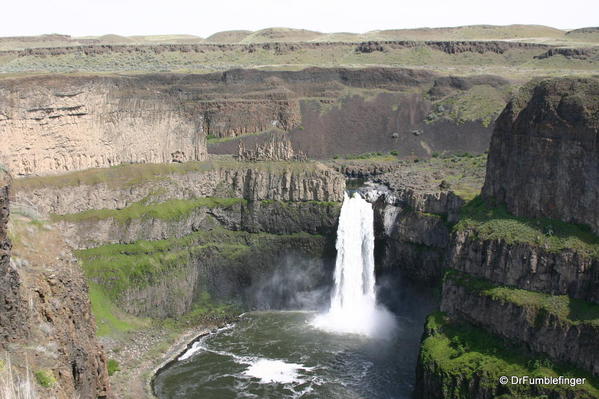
(544, 158)
(256, 217)
(525, 266)
(13, 312)
(54, 124)
(253, 182)
(541, 331)
(411, 237)
(59, 124)
(46, 321)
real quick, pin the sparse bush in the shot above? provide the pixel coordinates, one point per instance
(113, 366)
(45, 378)
(394, 153)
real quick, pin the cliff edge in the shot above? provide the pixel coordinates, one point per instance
(543, 160)
(47, 332)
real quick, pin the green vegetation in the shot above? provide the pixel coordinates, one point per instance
(110, 320)
(456, 351)
(112, 366)
(496, 223)
(120, 266)
(211, 139)
(45, 378)
(167, 210)
(569, 310)
(206, 310)
(127, 175)
(114, 269)
(513, 62)
(481, 103)
(373, 156)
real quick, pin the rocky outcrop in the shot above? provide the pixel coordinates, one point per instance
(543, 160)
(570, 53)
(46, 322)
(274, 217)
(458, 360)
(410, 241)
(409, 238)
(14, 320)
(525, 265)
(81, 122)
(391, 120)
(277, 148)
(518, 283)
(60, 124)
(248, 269)
(252, 181)
(450, 47)
(562, 339)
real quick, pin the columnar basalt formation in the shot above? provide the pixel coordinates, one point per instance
(59, 123)
(543, 160)
(13, 316)
(527, 276)
(525, 265)
(277, 148)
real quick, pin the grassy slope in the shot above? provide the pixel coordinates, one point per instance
(495, 223)
(570, 311)
(168, 210)
(462, 352)
(515, 62)
(481, 103)
(113, 269)
(126, 175)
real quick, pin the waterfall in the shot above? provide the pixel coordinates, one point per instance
(353, 300)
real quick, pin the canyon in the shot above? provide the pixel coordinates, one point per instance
(57, 124)
(147, 208)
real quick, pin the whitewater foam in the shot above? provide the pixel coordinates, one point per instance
(269, 371)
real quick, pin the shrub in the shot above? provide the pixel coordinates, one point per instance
(45, 378)
(113, 366)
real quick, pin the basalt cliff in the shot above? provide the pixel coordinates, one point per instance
(47, 330)
(519, 291)
(543, 156)
(165, 201)
(56, 124)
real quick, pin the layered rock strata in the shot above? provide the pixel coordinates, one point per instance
(563, 338)
(525, 265)
(121, 187)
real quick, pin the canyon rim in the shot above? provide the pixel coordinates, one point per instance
(284, 213)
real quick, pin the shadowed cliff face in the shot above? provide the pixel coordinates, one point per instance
(543, 160)
(386, 122)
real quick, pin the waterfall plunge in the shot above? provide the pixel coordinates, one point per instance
(353, 300)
